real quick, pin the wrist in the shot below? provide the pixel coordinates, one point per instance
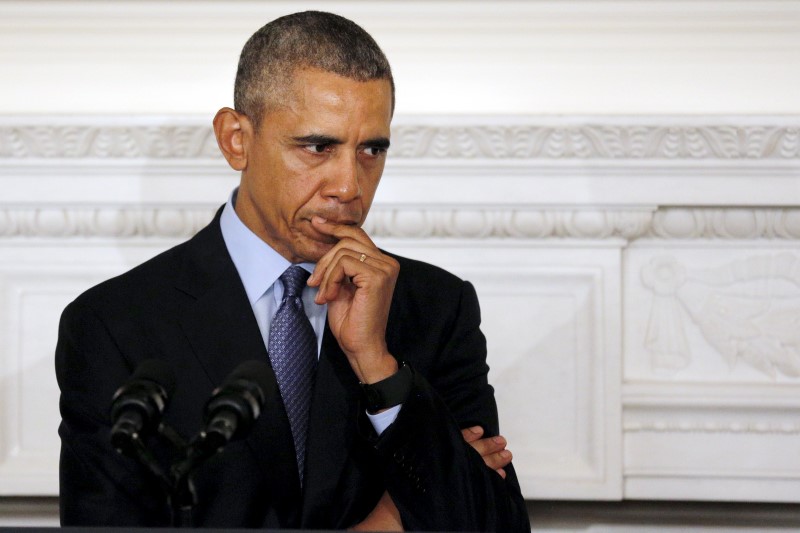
(374, 368)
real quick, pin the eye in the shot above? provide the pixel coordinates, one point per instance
(317, 148)
(374, 151)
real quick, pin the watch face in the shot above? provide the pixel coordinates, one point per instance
(373, 397)
(389, 392)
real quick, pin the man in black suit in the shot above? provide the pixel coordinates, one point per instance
(401, 425)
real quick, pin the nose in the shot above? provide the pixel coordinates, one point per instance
(343, 182)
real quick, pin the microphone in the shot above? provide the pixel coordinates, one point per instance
(137, 406)
(235, 405)
(229, 414)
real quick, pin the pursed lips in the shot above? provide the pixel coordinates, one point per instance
(329, 239)
(340, 221)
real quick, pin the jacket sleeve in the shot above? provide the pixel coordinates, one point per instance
(437, 480)
(98, 486)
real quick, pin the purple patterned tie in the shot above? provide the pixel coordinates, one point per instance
(292, 349)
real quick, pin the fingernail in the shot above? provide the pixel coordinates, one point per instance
(476, 430)
(505, 454)
(318, 219)
(499, 440)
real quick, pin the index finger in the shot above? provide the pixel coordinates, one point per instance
(472, 434)
(341, 231)
(348, 235)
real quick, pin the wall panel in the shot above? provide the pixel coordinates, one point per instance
(638, 279)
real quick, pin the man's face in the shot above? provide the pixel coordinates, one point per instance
(320, 151)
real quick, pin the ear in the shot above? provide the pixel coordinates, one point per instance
(231, 128)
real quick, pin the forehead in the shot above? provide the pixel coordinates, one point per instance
(320, 99)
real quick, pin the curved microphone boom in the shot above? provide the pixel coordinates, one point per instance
(138, 405)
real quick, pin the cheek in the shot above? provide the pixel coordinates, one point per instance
(285, 182)
(299, 196)
(371, 179)
(291, 162)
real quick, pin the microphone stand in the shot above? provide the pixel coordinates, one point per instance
(183, 496)
(179, 484)
(228, 417)
(231, 410)
(137, 450)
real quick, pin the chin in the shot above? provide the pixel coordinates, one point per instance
(313, 251)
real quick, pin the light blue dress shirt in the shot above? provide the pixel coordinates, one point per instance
(259, 267)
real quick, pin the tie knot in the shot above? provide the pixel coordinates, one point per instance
(294, 279)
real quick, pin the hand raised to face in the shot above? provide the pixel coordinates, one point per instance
(357, 282)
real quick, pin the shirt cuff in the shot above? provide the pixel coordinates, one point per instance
(384, 419)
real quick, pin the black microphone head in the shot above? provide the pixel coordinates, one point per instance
(147, 391)
(242, 394)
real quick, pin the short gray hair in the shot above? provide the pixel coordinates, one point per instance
(312, 39)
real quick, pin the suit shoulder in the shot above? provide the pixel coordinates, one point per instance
(139, 282)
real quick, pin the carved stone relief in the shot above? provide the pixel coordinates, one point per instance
(748, 311)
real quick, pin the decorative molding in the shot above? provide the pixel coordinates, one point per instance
(599, 141)
(119, 223)
(735, 398)
(690, 140)
(710, 426)
(479, 223)
(725, 223)
(108, 141)
(418, 222)
(443, 162)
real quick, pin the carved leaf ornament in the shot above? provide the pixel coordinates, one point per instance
(580, 141)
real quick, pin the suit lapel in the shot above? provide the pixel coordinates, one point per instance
(222, 331)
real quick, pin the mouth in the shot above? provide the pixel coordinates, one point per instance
(343, 219)
(313, 233)
(336, 217)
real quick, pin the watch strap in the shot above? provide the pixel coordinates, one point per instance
(390, 391)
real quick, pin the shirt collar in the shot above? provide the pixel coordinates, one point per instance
(258, 264)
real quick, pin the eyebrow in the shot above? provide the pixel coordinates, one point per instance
(317, 138)
(379, 142)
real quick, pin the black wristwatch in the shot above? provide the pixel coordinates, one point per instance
(390, 391)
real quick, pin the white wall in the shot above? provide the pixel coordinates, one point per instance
(505, 56)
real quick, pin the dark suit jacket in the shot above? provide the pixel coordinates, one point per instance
(188, 307)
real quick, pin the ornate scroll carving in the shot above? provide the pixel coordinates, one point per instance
(598, 141)
(580, 141)
(106, 141)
